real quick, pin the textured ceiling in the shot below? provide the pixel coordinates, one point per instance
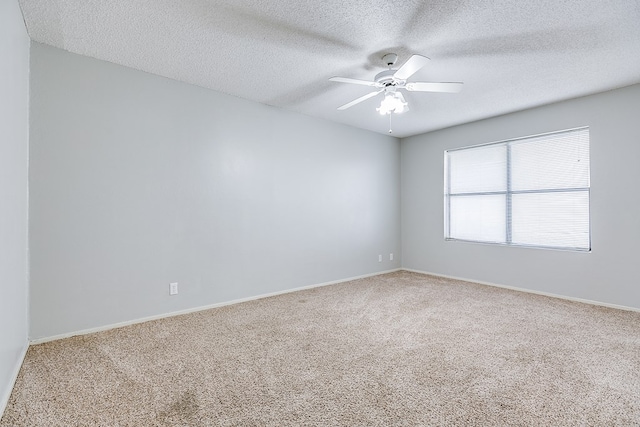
(511, 55)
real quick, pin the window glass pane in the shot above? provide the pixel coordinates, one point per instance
(551, 161)
(479, 218)
(478, 170)
(551, 219)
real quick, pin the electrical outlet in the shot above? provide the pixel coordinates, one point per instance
(173, 288)
(391, 257)
(379, 258)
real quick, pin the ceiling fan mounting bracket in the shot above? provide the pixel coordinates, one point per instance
(390, 59)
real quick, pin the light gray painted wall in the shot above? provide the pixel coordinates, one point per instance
(608, 274)
(138, 181)
(14, 155)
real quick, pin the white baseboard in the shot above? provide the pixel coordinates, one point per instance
(6, 393)
(530, 291)
(200, 308)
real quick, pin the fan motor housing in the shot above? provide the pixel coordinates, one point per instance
(385, 78)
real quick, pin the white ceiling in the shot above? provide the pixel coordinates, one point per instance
(511, 55)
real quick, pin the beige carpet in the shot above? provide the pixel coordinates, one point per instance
(402, 349)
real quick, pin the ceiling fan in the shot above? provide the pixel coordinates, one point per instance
(389, 81)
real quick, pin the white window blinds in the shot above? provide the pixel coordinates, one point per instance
(530, 191)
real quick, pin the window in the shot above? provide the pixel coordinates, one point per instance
(531, 191)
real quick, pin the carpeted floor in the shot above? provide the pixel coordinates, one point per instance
(401, 349)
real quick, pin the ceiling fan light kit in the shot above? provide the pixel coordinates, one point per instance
(393, 102)
(390, 81)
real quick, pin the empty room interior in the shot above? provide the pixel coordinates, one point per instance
(249, 213)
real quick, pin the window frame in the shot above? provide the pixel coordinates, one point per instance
(509, 192)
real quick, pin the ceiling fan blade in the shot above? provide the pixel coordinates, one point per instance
(354, 81)
(410, 67)
(359, 100)
(451, 87)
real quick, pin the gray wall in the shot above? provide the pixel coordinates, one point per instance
(14, 154)
(137, 181)
(608, 274)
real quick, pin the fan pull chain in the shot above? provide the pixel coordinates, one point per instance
(390, 114)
